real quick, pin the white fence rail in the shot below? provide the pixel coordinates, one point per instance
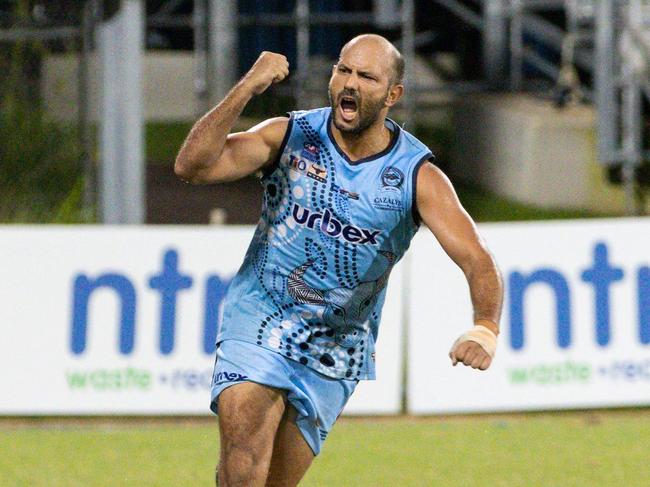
(107, 320)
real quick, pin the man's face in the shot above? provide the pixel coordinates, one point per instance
(358, 88)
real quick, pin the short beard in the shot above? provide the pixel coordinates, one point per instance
(368, 115)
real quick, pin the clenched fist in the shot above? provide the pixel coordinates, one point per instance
(475, 348)
(269, 68)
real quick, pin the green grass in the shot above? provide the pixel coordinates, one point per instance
(552, 450)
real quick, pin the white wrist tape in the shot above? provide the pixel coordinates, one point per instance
(481, 335)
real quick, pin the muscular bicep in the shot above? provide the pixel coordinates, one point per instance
(442, 212)
(245, 153)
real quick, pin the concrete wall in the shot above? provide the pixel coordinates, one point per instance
(170, 95)
(525, 149)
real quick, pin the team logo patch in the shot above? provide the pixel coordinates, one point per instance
(389, 194)
(310, 152)
(392, 177)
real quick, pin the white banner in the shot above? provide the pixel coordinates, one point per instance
(575, 327)
(122, 320)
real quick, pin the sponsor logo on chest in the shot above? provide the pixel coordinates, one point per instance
(327, 223)
(348, 194)
(309, 169)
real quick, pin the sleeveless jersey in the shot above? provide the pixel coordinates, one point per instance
(314, 278)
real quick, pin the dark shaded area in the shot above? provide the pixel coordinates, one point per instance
(171, 201)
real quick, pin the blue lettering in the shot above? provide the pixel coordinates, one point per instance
(644, 304)
(312, 220)
(83, 288)
(333, 227)
(169, 282)
(601, 275)
(518, 284)
(351, 234)
(300, 219)
(215, 291)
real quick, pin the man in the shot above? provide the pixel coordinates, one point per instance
(345, 191)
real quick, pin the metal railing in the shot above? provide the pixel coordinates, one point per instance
(609, 39)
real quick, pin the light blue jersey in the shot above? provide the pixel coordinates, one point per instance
(313, 282)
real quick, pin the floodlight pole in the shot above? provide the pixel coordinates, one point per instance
(120, 46)
(222, 42)
(408, 51)
(605, 83)
(91, 11)
(495, 37)
(200, 24)
(302, 48)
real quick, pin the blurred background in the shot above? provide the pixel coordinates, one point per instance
(105, 91)
(114, 271)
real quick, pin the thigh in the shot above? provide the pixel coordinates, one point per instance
(292, 456)
(249, 415)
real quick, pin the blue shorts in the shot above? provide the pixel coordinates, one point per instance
(318, 399)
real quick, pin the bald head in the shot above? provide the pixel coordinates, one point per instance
(383, 49)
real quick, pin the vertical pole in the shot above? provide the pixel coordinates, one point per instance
(631, 108)
(83, 89)
(408, 51)
(383, 12)
(302, 48)
(199, 21)
(516, 46)
(121, 42)
(494, 41)
(222, 46)
(110, 142)
(605, 82)
(132, 124)
(632, 111)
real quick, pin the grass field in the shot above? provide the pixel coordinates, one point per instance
(586, 449)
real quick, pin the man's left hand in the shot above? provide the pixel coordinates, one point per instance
(476, 348)
(470, 354)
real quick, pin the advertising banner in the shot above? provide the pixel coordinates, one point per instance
(575, 326)
(108, 320)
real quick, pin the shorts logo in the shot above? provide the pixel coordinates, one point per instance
(389, 195)
(228, 377)
(309, 169)
(348, 194)
(329, 225)
(310, 152)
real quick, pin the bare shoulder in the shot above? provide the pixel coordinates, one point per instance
(432, 184)
(271, 130)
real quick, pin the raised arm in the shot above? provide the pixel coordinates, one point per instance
(211, 154)
(442, 212)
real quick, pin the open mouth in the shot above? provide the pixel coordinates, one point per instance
(348, 108)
